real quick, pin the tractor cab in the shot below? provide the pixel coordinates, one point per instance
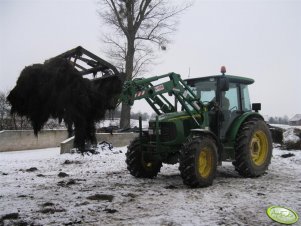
(228, 95)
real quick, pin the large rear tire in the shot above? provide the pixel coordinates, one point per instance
(253, 148)
(138, 163)
(198, 162)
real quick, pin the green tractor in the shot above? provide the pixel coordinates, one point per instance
(212, 120)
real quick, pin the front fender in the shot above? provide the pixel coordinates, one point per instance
(206, 132)
(203, 131)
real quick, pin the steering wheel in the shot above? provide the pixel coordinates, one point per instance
(235, 107)
(211, 105)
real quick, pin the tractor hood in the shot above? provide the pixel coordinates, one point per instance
(169, 117)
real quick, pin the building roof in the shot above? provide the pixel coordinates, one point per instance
(297, 117)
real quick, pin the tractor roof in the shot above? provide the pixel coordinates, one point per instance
(232, 78)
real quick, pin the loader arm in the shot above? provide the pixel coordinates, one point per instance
(144, 89)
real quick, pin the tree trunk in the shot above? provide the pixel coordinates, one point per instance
(2, 123)
(129, 67)
(14, 120)
(125, 116)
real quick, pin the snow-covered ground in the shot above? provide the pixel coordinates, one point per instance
(285, 126)
(98, 190)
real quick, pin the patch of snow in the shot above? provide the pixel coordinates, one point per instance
(30, 155)
(290, 136)
(41, 197)
(285, 126)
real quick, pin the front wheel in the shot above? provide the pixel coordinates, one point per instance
(253, 149)
(198, 161)
(140, 163)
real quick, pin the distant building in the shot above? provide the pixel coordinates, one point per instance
(295, 121)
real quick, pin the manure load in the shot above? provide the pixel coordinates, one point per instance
(58, 89)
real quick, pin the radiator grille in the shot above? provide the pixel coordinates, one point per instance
(167, 131)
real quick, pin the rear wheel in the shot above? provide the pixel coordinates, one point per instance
(198, 161)
(139, 163)
(253, 149)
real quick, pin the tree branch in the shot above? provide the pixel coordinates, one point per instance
(116, 13)
(140, 17)
(140, 21)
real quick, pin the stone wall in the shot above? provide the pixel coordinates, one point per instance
(15, 140)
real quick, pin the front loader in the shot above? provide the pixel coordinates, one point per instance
(211, 121)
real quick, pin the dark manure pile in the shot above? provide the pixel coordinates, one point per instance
(56, 89)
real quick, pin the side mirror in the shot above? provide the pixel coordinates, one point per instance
(224, 84)
(256, 107)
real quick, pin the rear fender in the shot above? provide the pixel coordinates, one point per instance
(234, 128)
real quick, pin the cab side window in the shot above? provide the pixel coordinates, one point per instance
(245, 99)
(232, 95)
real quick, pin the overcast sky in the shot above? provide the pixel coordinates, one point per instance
(260, 39)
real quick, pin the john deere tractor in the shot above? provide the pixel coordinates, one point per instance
(212, 120)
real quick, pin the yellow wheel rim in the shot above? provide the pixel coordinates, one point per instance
(259, 148)
(205, 163)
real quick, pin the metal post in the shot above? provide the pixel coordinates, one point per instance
(140, 127)
(157, 131)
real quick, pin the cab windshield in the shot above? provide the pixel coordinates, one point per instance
(205, 89)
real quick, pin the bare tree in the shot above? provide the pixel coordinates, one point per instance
(4, 109)
(137, 28)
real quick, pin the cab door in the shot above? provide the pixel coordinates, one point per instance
(230, 107)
